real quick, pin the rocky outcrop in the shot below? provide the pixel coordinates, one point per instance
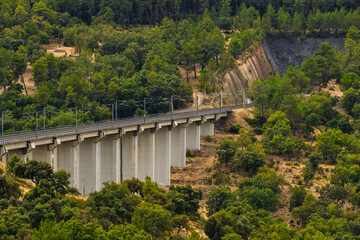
(283, 52)
(239, 79)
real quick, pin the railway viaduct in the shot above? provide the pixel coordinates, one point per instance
(116, 150)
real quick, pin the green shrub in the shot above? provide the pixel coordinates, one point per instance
(208, 138)
(249, 162)
(221, 177)
(297, 196)
(235, 128)
(189, 153)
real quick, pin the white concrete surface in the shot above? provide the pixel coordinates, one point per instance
(129, 155)
(87, 166)
(162, 156)
(193, 136)
(65, 159)
(146, 157)
(107, 164)
(41, 153)
(178, 146)
(207, 128)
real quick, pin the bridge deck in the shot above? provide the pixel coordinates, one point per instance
(124, 122)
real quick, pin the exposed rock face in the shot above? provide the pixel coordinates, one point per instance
(240, 78)
(283, 52)
(273, 56)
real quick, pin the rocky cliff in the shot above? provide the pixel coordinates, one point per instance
(283, 52)
(240, 78)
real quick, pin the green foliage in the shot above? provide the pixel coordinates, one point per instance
(262, 191)
(191, 198)
(113, 202)
(117, 62)
(34, 170)
(304, 212)
(297, 197)
(61, 181)
(12, 221)
(314, 160)
(235, 47)
(10, 165)
(232, 236)
(9, 187)
(308, 172)
(154, 220)
(350, 80)
(235, 128)
(341, 123)
(219, 199)
(226, 151)
(331, 142)
(249, 162)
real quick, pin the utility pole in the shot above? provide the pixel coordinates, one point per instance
(244, 98)
(76, 118)
(37, 124)
(82, 113)
(44, 119)
(172, 106)
(221, 100)
(144, 109)
(113, 114)
(116, 117)
(197, 105)
(2, 123)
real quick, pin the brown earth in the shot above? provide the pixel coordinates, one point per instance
(200, 168)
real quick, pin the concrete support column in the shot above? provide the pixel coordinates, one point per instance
(193, 136)
(4, 158)
(117, 142)
(98, 166)
(178, 146)
(29, 156)
(208, 128)
(53, 148)
(64, 155)
(107, 165)
(162, 156)
(55, 163)
(19, 152)
(146, 157)
(41, 153)
(88, 173)
(76, 159)
(130, 155)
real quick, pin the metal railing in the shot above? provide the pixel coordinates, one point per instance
(103, 125)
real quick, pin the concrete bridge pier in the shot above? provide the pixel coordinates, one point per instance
(67, 157)
(130, 155)
(163, 156)
(107, 164)
(4, 155)
(193, 136)
(54, 153)
(41, 153)
(21, 153)
(208, 128)
(178, 146)
(146, 157)
(88, 175)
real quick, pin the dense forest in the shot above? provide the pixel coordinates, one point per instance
(121, 67)
(120, 64)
